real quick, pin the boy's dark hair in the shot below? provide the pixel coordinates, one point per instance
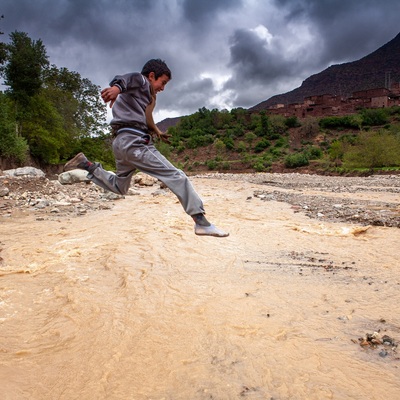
(159, 67)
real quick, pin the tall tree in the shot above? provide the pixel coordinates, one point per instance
(78, 101)
(54, 109)
(23, 72)
(11, 145)
(2, 47)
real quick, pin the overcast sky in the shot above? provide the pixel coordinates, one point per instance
(222, 53)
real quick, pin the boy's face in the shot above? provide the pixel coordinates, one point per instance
(159, 83)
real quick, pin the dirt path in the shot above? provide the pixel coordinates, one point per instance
(127, 303)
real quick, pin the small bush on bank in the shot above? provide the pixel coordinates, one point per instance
(296, 160)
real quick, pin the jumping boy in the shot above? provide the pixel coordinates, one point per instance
(132, 98)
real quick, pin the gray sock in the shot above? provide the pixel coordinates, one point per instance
(200, 219)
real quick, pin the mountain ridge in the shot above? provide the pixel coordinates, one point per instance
(375, 70)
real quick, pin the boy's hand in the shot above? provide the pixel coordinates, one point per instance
(161, 135)
(110, 94)
(165, 138)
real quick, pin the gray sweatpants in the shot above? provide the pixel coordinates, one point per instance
(137, 152)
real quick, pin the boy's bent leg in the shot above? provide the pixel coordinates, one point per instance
(154, 163)
(98, 175)
(110, 181)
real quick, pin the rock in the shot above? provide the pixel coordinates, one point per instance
(25, 171)
(144, 179)
(133, 192)
(74, 176)
(4, 191)
(42, 203)
(111, 196)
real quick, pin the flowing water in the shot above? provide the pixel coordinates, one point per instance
(129, 304)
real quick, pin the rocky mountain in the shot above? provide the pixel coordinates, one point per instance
(167, 123)
(375, 70)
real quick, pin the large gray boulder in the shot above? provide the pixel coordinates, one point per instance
(25, 172)
(74, 176)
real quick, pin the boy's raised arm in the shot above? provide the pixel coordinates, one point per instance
(110, 94)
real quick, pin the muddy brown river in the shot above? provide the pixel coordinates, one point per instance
(129, 304)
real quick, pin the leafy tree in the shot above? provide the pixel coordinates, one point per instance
(3, 53)
(54, 108)
(240, 115)
(42, 126)
(78, 101)
(26, 60)
(11, 145)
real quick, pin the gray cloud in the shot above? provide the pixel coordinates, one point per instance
(222, 53)
(198, 11)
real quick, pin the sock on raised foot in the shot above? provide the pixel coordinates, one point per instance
(200, 219)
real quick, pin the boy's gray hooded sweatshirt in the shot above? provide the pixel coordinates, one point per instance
(130, 106)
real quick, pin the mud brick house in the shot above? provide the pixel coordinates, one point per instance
(327, 104)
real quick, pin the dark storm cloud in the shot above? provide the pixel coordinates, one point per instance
(198, 11)
(348, 29)
(222, 53)
(255, 59)
(188, 96)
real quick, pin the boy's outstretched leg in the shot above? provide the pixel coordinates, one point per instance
(204, 228)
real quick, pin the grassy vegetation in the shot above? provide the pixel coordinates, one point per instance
(238, 140)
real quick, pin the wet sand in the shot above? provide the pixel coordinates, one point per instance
(128, 303)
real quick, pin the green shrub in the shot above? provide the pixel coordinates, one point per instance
(196, 141)
(292, 122)
(261, 164)
(375, 117)
(374, 150)
(314, 153)
(226, 165)
(344, 122)
(164, 149)
(336, 150)
(229, 143)
(278, 126)
(296, 160)
(261, 145)
(241, 147)
(212, 164)
(281, 142)
(275, 152)
(11, 145)
(309, 127)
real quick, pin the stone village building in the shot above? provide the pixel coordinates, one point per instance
(327, 104)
